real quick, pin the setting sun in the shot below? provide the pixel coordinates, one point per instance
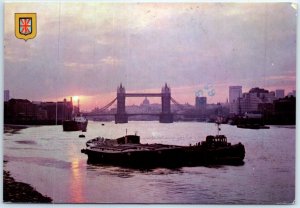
(75, 98)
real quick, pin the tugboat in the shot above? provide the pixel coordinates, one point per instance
(252, 126)
(78, 123)
(129, 152)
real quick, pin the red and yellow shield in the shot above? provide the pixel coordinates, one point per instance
(25, 25)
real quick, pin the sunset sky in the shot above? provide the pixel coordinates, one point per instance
(88, 49)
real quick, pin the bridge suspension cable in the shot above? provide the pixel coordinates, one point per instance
(108, 105)
(177, 103)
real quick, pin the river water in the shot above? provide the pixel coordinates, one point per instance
(50, 160)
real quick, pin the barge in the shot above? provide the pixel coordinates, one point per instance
(129, 152)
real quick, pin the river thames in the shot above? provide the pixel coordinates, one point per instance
(50, 160)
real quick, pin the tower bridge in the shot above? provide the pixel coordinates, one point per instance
(121, 116)
(165, 116)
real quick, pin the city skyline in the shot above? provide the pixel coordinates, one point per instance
(144, 46)
(156, 101)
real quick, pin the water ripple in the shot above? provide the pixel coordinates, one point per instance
(26, 142)
(40, 161)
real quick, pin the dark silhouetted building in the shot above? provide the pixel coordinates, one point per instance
(285, 111)
(22, 111)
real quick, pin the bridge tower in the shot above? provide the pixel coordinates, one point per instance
(121, 115)
(166, 116)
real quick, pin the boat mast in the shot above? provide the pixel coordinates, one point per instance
(218, 126)
(219, 119)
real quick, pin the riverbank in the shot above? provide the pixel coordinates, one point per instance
(18, 192)
(13, 129)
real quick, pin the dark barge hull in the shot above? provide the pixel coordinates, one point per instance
(172, 156)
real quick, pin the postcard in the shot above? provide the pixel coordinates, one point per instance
(149, 102)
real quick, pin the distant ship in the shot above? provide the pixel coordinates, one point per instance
(78, 123)
(252, 126)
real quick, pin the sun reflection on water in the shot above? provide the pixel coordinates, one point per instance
(76, 183)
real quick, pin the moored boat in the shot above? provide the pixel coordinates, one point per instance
(252, 126)
(78, 123)
(128, 151)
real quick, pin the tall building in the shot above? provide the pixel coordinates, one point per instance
(201, 103)
(235, 93)
(6, 95)
(249, 102)
(256, 96)
(279, 93)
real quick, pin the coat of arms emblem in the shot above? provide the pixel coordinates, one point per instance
(25, 25)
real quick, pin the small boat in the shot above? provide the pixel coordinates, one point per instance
(252, 126)
(81, 136)
(78, 123)
(129, 152)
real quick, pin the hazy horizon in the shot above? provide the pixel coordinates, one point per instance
(88, 49)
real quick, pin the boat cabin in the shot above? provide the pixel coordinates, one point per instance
(129, 139)
(216, 141)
